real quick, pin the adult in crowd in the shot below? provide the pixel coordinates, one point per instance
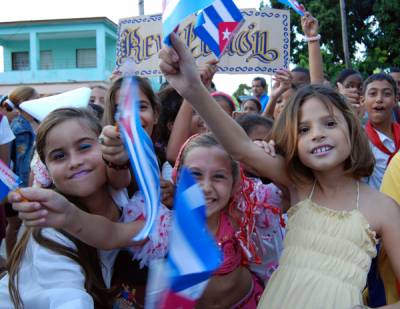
(260, 91)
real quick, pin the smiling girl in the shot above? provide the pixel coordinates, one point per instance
(332, 227)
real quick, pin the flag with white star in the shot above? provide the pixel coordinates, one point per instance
(217, 24)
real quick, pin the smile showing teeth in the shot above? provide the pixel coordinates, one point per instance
(321, 149)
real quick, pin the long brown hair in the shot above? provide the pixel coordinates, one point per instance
(84, 255)
(361, 161)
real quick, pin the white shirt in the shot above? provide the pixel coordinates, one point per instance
(48, 280)
(6, 135)
(381, 160)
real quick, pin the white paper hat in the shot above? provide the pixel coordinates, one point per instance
(40, 108)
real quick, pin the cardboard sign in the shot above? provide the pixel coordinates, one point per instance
(261, 46)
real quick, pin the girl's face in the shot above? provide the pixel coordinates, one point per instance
(213, 174)
(323, 137)
(148, 117)
(379, 100)
(73, 159)
(197, 125)
(282, 101)
(250, 107)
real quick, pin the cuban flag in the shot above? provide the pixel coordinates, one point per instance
(175, 11)
(217, 24)
(193, 254)
(299, 8)
(141, 153)
(8, 180)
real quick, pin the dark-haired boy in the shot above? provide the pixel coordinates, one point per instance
(379, 97)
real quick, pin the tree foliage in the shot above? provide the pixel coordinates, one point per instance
(242, 90)
(373, 34)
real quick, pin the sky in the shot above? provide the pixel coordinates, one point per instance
(18, 10)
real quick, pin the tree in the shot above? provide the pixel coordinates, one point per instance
(242, 90)
(374, 25)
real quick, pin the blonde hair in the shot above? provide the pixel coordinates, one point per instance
(361, 161)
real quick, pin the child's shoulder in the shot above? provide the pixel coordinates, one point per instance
(377, 207)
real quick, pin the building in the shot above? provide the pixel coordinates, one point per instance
(57, 55)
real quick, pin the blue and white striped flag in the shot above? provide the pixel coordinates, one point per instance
(8, 180)
(141, 153)
(299, 8)
(217, 24)
(193, 254)
(175, 11)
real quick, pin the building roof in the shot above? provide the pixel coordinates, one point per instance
(59, 21)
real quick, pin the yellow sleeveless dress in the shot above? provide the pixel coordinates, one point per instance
(325, 260)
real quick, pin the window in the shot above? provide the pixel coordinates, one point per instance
(20, 61)
(86, 58)
(46, 60)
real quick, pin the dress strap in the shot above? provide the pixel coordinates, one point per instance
(358, 194)
(312, 190)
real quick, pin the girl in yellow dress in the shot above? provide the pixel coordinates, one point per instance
(323, 153)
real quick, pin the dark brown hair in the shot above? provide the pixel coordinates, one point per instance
(84, 255)
(361, 161)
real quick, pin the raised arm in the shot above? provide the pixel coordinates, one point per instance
(180, 131)
(310, 28)
(178, 66)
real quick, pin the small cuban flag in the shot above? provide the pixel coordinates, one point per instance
(8, 180)
(217, 24)
(175, 11)
(141, 153)
(193, 254)
(299, 8)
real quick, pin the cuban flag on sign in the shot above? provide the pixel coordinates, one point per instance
(217, 24)
(299, 8)
(8, 180)
(175, 11)
(141, 153)
(193, 254)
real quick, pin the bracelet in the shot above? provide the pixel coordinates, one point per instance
(312, 38)
(116, 166)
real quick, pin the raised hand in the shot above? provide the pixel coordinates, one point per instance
(207, 72)
(310, 25)
(112, 147)
(178, 66)
(283, 81)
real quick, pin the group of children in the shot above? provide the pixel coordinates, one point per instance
(314, 161)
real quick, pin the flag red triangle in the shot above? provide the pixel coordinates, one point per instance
(226, 30)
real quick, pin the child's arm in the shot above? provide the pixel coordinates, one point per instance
(179, 68)
(47, 208)
(180, 131)
(115, 157)
(310, 29)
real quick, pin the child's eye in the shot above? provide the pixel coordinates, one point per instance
(388, 93)
(57, 156)
(331, 123)
(196, 174)
(303, 130)
(84, 146)
(220, 176)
